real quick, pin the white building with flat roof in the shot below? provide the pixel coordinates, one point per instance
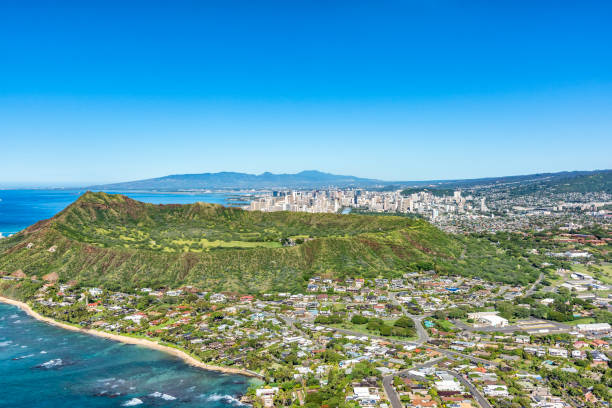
(488, 319)
(594, 327)
(495, 390)
(448, 385)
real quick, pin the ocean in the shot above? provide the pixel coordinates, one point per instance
(46, 366)
(22, 208)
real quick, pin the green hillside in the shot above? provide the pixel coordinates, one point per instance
(600, 181)
(114, 241)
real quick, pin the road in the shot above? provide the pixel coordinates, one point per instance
(423, 337)
(392, 395)
(473, 390)
(390, 392)
(422, 334)
(532, 288)
(394, 398)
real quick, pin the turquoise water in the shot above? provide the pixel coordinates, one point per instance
(22, 208)
(46, 366)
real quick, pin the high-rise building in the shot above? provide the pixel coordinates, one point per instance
(483, 206)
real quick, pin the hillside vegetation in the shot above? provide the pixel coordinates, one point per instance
(544, 184)
(600, 181)
(114, 241)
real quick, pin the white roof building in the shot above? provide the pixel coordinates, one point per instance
(367, 396)
(448, 385)
(495, 390)
(488, 319)
(594, 327)
(95, 291)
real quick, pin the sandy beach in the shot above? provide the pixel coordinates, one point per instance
(129, 340)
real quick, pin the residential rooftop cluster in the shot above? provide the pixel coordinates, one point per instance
(416, 340)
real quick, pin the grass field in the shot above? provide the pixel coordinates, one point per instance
(584, 320)
(362, 328)
(445, 324)
(603, 272)
(203, 244)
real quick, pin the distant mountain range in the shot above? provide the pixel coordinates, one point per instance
(578, 181)
(231, 180)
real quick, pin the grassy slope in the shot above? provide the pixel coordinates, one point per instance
(107, 240)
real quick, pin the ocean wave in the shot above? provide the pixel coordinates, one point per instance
(43, 352)
(56, 362)
(106, 393)
(22, 357)
(225, 398)
(163, 396)
(5, 343)
(132, 402)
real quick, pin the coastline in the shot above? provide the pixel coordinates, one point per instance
(130, 340)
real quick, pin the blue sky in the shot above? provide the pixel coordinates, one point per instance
(408, 90)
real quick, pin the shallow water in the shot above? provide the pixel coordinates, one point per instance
(46, 366)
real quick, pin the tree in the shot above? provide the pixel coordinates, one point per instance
(457, 313)
(359, 319)
(404, 322)
(330, 356)
(385, 330)
(440, 315)
(363, 369)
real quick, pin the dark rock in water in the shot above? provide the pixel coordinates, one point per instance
(54, 363)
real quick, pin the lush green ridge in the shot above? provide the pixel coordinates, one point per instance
(582, 183)
(114, 241)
